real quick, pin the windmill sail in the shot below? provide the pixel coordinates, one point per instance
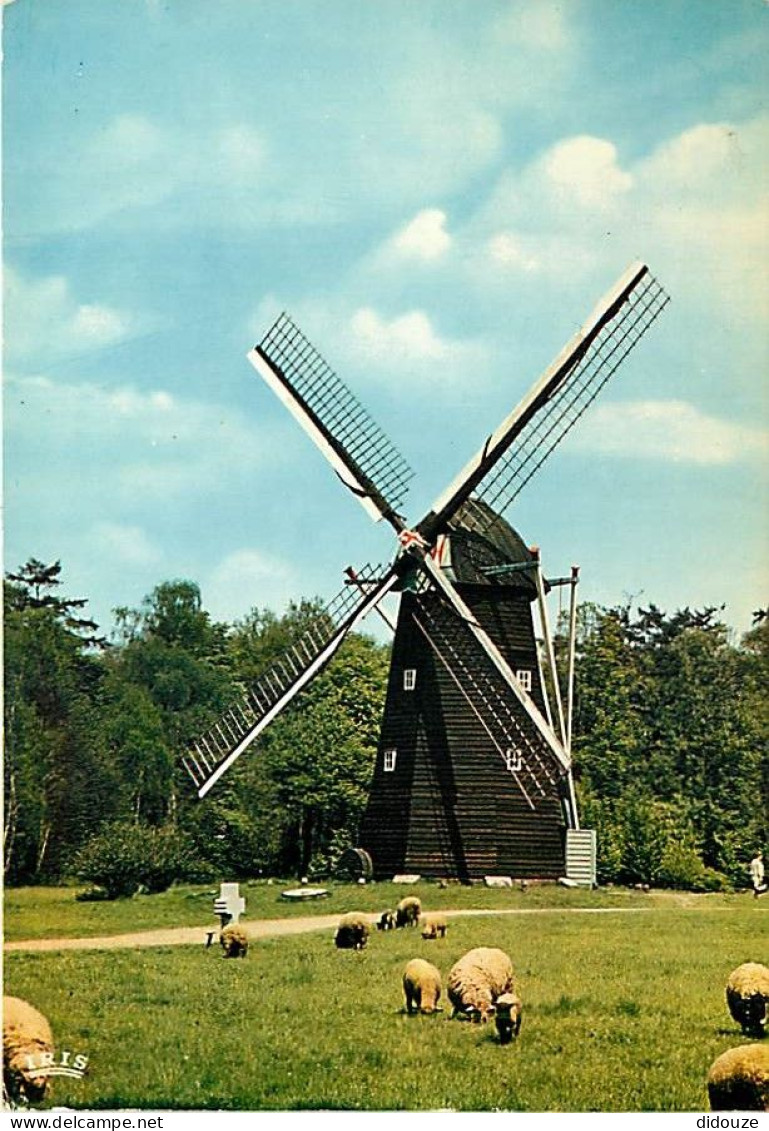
(527, 757)
(215, 751)
(523, 441)
(487, 648)
(360, 453)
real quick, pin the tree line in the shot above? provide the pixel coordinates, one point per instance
(670, 742)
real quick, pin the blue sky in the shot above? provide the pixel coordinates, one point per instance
(438, 193)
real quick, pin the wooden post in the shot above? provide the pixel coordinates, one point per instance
(570, 687)
(572, 650)
(550, 652)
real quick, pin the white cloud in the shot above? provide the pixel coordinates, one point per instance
(248, 578)
(134, 163)
(689, 160)
(538, 24)
(423, 238)
(131, 440)
(130, 139)
(551, 215)
(242, 150)
(584, 170)
(408, 336)
(669, 431)
(509, 249)
(696, 208)
(703, 196)
(129, 545)
(42, 316)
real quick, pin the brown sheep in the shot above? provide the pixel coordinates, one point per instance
(747, 995)
(26, 1033)
(234, 942)
(433, 926)
(422, 986)
(352, 932)
(507, 1017)
(478, 979)
(408, 911)
(738, 1079)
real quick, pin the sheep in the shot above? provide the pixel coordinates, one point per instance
(478, 979)
(386, 921)
(738, 1079)
(234, 942)
(433, 926)
(352, 932)
(408, 911)
(508, 1017)
(26, 1033)
(747, 995)
(422, 986)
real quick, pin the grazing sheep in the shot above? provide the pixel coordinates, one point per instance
(26, 1033)
(352, 932)
(422, 986)
(747, 995)
(433, 926)
(478, 979)
(386, 921)
(738, 1079)
(234, 942)
(408, 911)
(508, 1017)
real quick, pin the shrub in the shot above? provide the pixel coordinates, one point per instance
(681, 867)
(123, 858)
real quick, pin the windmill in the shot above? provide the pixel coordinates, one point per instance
(473, 771)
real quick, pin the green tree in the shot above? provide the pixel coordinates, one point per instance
(311, 769)
(54, 770)
(609, 716)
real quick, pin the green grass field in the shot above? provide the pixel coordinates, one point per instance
(622, 1013)
(51, 912)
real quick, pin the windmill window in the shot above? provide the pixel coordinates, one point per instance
(409, 679)
(523, 675)
(514, 760)
(389, 760)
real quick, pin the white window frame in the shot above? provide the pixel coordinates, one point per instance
(409, 679)
(390, 757)
(524, 677)
(513, 760)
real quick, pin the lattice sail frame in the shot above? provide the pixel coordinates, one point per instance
(363, 457)
(536, 771)
(521, 444)
(224, 742)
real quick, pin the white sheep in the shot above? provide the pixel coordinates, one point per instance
(507, 1017)
(433, 926)
(738, 1079)
(234, 942)
(422, 986)
(478, 979)
(747, 995)
(26, 1034)
(352, 932)
(408, 911)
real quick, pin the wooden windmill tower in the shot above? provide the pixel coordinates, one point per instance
(473, 771)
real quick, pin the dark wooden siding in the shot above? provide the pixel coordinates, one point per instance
(451, 807)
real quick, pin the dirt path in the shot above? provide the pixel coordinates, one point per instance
(269, 928)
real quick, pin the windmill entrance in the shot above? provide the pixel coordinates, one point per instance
(473, 773)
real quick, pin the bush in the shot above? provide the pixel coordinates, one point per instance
(642, 839)
(681, 867)
(124, 858)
